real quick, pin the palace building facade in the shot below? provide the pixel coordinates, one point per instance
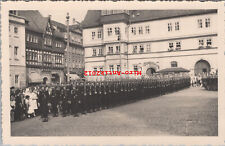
(150, 40)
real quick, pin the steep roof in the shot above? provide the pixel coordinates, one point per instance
(93, 17)
(61, 26)
(74, 28)
(36, 21)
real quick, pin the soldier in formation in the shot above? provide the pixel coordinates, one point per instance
(82, 97)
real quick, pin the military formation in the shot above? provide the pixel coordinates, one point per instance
(84, 97)
(210, 82)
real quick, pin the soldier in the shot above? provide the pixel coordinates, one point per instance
(64, 101)
(96, 96)
(54, 101)
(84, 98)
(69, 96)
(44, 103)
(74, 101)
(105, 95)
(101, 94)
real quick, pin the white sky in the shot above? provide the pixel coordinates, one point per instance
(60, 15)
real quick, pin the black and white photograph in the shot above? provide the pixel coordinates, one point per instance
(113, 72)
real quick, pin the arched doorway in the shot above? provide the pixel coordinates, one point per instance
(45, 80)
(150, 71)
(202, 66)
(55, 78)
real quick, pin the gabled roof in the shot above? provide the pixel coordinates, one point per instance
(93, 17)
(61, 26)
(73, 28)
(36, 21)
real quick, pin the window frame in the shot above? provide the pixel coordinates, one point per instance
(134, 49)
(200, 24)
(177, 26)
(94, 52)
(207, 22)
(109, 31)
(170, 27)
(142, 49)
(209, 41)
(140, 30)
(174, 64)
(16, 51)
(147, 29)
(92, 35)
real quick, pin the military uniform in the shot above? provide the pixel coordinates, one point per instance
(55, 101)
(44, 104)
(64, 101)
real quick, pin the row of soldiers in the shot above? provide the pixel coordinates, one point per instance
(84, 97)
(210, 82)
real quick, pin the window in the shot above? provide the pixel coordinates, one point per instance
(36, 40)
(133, 30)
(118, 68)
(100, 52)
(111, 68)
(140, 30)
(16, 79)
(99, 34)
(13, 12)
(15, 50)
(171, 45)
(209, 42)
(177, 26)
(95, 68)
(199, 23)
(147, 29)
(117, 30)
(135, 68)
(173, 64)
(101, 68)
(94, 52)
(110, 50)
(201, 43)
(207, 22)
(178, 45)
(141, 49)
(15, 29)
(28, 37)
(134, 49)
(117, 49)
(148, 48)
(93, 35)
(109, 31)
(169, 26)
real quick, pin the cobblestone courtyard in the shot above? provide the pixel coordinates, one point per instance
(192, 111)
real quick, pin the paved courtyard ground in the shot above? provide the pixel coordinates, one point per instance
(192, 111)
